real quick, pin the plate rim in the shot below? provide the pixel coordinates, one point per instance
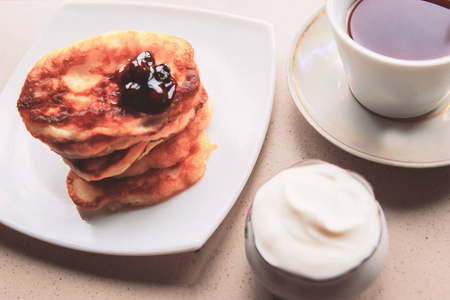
(295, 94)
(199, 240)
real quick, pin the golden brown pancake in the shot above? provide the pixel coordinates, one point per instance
(119, 161)
(149, 188)
(126, 111)
(115, 163)
(174, 150)
(70, 101)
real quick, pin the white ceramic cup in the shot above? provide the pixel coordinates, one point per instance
(388, 86)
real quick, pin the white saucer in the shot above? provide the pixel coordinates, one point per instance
(319, 87)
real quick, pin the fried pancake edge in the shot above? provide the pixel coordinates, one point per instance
(93, 124)
(147, 189)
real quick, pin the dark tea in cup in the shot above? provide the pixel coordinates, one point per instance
(411, 86)
(404, 29)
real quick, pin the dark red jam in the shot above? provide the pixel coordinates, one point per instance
(144, 86)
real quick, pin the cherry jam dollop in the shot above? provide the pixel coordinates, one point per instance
(144, 86)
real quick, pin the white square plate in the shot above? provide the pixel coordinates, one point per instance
(236, 58)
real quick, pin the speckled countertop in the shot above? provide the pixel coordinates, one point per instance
(416, 202)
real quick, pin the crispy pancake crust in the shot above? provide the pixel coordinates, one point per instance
(174, 150)
(70, 102)
(115, 163)
(149, 188)
(119, 161)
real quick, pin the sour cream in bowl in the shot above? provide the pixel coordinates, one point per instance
(316, 231)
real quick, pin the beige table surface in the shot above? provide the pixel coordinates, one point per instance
(416, 202)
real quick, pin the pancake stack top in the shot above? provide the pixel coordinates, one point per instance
(107, 102)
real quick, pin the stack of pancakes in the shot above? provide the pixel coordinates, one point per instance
(118, 155)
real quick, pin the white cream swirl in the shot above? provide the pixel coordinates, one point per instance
(316, 220)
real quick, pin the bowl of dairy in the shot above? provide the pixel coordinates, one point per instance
(316, 231)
